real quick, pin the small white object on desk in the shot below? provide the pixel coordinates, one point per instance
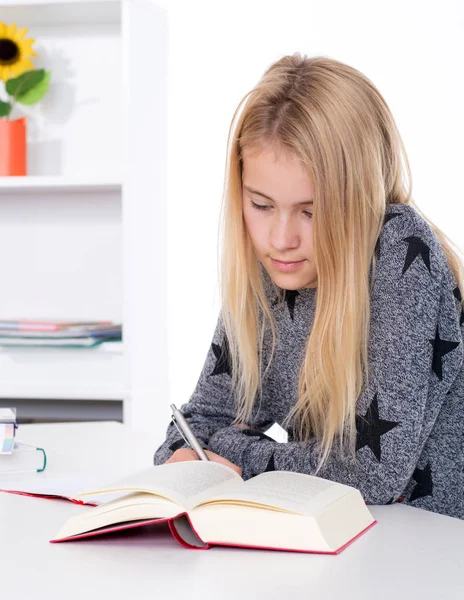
(25, 458)
(17, 457)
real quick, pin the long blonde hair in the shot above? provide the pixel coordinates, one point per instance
(331, 117)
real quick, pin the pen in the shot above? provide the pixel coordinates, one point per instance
(184, 429)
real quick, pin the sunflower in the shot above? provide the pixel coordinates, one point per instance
(14, 51)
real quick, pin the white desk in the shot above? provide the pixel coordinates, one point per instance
(410, 553)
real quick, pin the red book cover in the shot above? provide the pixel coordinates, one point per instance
(200, 545)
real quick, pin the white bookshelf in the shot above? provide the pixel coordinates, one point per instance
(56, 13)
(50, 184)
(63, 374)
(84, 234)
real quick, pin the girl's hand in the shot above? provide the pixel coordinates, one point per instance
(184, 454)
(220, 459)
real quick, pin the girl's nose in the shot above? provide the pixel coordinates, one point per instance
(284, 235)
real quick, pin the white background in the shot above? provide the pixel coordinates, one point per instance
(412, 51)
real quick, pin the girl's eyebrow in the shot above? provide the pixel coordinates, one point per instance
(250, 189)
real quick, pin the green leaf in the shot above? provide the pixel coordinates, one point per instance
(21, 85)
(5, 108)
(37, 92)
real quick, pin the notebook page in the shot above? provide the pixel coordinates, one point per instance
(175, 481)
(294, 492)
(47, 484)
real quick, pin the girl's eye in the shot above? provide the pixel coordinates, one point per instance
(266, 207)
(259, 206)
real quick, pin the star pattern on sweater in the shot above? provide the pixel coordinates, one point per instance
(457, 295)
(416, 247)
(371, 427)
(256, 433)
(440, 349)
(176, 445)
(424, 483)
(223, 360)
(270, 464)
(290, 299)
(388, 217)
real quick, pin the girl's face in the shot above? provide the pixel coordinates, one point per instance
(282, 230)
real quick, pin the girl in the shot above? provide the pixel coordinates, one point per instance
(341, 314)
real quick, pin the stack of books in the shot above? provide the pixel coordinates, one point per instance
(60, 334)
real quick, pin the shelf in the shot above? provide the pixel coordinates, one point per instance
(80, 233)
(63, 373)
(41, 184)
(41, 391)
(62, 12)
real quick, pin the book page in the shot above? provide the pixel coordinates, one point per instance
(175, 481)
(294, 492)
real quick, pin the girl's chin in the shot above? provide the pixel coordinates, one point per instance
(292, 283)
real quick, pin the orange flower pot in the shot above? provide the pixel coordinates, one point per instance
(13, 151)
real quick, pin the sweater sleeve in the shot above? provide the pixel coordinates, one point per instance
(212, 404)
(415, 353)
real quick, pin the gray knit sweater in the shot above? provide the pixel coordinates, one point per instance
(410, 423)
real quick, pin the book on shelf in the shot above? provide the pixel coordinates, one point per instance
(96, 332)
(24, 458)
(72, 336)
(49, 325)
(207, 504)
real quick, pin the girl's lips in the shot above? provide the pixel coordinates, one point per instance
(287, 266)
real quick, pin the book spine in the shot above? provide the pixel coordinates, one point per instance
(181, 528)
(180, 539)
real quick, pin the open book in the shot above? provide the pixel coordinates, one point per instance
(207, 503)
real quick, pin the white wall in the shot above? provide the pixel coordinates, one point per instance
(412, 51)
